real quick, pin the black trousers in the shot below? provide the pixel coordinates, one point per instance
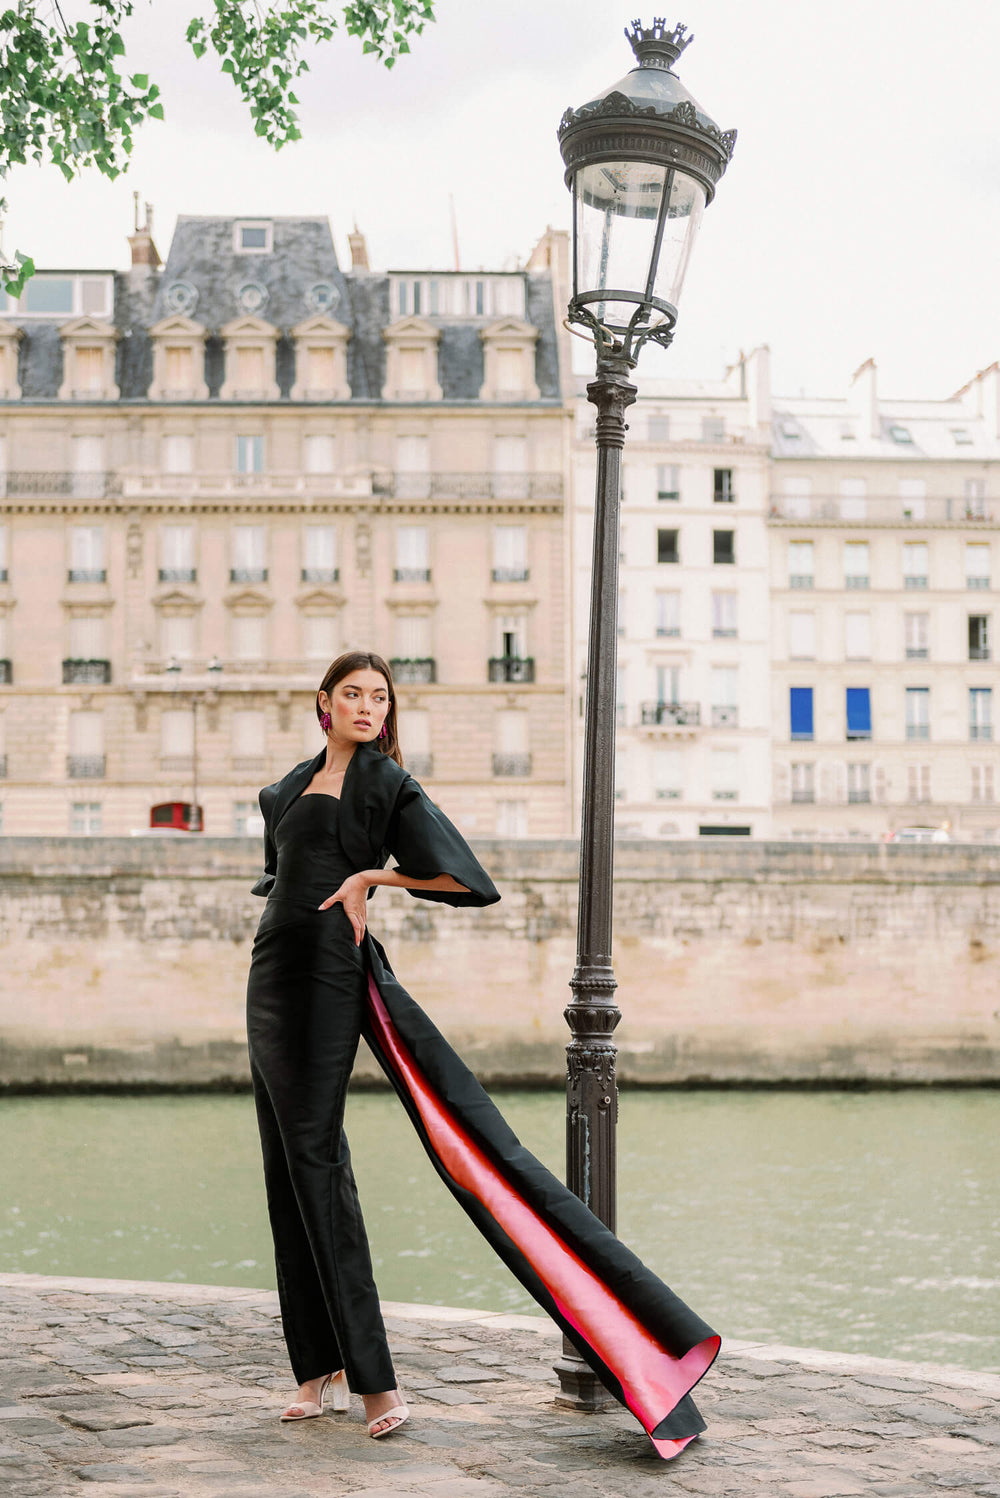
(305, 1015)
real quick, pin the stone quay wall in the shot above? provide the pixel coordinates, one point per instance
(123, 962)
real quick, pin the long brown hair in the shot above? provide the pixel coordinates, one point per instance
(365, 660)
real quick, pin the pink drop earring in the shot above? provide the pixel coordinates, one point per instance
(325, 722)
(382, 732)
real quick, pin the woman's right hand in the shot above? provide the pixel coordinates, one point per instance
(353, 895)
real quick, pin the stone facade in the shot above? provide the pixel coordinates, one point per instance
(218, 475)
(743, 962)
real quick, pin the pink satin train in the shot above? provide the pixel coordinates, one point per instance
(651, 1378)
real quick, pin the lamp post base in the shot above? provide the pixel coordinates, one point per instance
(578, 1387)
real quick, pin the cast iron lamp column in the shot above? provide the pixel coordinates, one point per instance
(642, 161)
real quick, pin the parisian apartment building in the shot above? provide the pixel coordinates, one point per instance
(807, 632)
(219, 472)
(693, 736)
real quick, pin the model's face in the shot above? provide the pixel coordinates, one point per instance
(358, 706)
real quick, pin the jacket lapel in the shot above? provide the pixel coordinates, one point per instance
(291, 787)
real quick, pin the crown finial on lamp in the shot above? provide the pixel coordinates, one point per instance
(656, 47)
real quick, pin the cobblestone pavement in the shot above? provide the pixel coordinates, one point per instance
(172, 1391)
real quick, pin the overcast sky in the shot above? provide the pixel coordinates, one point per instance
(860, 215)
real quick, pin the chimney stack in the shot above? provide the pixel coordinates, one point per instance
(359, 250)
(145, 256)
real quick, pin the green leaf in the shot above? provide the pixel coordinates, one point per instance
(139, 80)
(156, 112)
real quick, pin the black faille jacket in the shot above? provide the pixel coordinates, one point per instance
(384, 814)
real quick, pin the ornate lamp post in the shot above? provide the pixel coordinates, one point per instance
(642, 161)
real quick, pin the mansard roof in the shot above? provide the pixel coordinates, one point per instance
(210, 282)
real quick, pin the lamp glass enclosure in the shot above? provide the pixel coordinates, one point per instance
(634, 225)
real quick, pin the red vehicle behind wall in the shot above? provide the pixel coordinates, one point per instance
(176, 816)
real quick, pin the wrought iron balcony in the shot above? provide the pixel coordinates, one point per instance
(979, 652)
(801, 580)
(85, 766)
(3, 575)
(87, 575)
(178, 575)
(512, 668)
(510, 574)
(981, 731)
(859, 797)
(512, 764)
(803, 795)
(468, 485)
(6, 673)
(725, 717)
(51, 483)
(977, 582)
(918, 730)
(413, 670)
(411, 575)
(248, 574)
(320, 575)
(3, 767)
(86, 672)
(879, 509)
(670, 714)
(420, 765)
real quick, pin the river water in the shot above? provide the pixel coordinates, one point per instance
(864, 1222)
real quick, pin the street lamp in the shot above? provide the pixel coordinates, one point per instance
(642, 162)
(213, 670)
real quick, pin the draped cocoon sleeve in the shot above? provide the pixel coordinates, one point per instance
(425, 844)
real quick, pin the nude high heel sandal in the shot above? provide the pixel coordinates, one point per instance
(307, 1409)
(399, 1415)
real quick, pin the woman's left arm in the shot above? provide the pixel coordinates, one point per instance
(353, 893)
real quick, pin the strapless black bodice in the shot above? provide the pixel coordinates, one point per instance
(312, 865)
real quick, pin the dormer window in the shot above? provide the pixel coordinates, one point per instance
(253, 237)
(88, 360)
(10, 389)
(250, 349)
(901, 435)
(962, 436)
(411, 361)
(320, 360)
(178, 360)
(509, 361)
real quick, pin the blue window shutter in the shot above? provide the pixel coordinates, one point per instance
(801, 712)
(859, 713)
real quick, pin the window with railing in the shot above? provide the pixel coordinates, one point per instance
(177, 554)
(915, 565)
(86, 554)
(3, 533)
(249, 454)
(918, 713)
(800, 564)
(977, 565)
(725, 689)
(249, 554)
(668, 482)
(510, 554)
(853, 499)
(724, 774)
(859, 784)
(668, 615)
(856, 566)
(724, 615)
(723, 490)
(412, 564)
(413, 670)
(319, 554)
(979, 637)
(980, 713)
(668, 774)
(916, 636)
(803, 781)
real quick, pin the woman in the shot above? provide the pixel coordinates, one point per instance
(318, 981)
